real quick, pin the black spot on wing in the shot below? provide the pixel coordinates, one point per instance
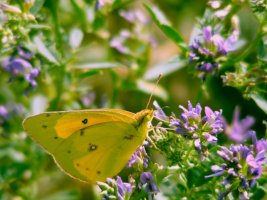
(128, 137)
(81, 132)
(44, 126)
(69, 151)
(85, 121)
(55, 137)
(92, 147)
(98, 172)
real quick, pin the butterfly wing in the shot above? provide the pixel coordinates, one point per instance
(101, 151)
(50, 129)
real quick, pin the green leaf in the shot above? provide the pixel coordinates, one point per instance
(76, 37)
(38, 4)
(44, 50)
(88, 73)
(39, 27)
(72, 194)
(149, 88)
(165, 27)
(79, 10)
(260, 101)
(196, 177)
(165, 68)
(262, 50)
(101, 65)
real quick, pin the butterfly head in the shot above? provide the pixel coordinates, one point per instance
(144, 116)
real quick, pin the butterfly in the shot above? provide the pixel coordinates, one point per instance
(90, 145)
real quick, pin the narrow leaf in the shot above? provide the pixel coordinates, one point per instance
(44, 50)
(260, 101)
(164, 25)
(148, 87)
(101, 65)
(164, 68)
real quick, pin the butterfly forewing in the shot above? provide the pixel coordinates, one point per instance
(51, 128)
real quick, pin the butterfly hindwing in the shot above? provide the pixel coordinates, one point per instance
(98, 151)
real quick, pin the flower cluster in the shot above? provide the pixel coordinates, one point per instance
(206, 49)
(115, 189)
(242, 165)
(139, 157)
(20, 66)
(201, 129)
(135, 36)
(13, 24)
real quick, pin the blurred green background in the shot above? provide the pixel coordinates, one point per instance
(88, 73)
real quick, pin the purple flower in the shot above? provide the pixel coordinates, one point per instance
(207, 33)
(18, 67)
(10, 111)
(239, 130)
(102, 3)
(261, 145)
(24, 53)
(224, 46)
(213, 120)
(119, 41)
(240, 162)
(139, 157)
(115, 188)
(148, 183)
(31, 77)
(193, 126)
(159, 113)
(136, 16)
(3, 114)
(88, 99)
(207, 48)
(123, 188)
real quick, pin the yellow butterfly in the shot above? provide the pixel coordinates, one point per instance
(90, 145)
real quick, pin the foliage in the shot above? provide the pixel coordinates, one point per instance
(65, 55)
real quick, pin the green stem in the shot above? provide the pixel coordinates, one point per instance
(58, 35)
(188, 152)
(199, 95)
(115, 91)
(59, 84)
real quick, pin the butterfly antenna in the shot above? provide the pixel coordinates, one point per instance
(151, 95)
